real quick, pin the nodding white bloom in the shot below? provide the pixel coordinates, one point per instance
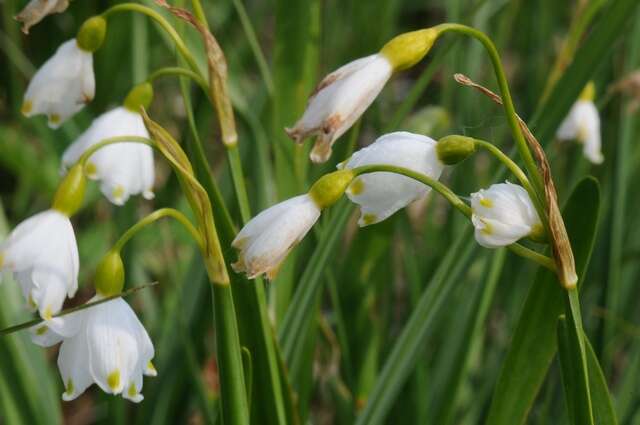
(105, 344)
(62, 86)
(583, 124)
(125, 168)
(339, 100)
(381, 194)
(503, 214)
(36, 10)
(42, 254)
(266, 239)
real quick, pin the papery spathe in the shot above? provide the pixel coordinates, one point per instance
(583, 124)
(381, 194)
(503, 214)
(125, 168)
(104, 344)
(339, 100)
(266, 239)
(62, 86)
(36, 10)
(42, 254)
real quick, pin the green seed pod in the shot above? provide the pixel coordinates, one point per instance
(140, 95)
(329, 188)
(91, 34)
(70, 194)
(109, 279)
(454, 149)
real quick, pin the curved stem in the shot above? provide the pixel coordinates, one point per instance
(110, 141)
(179, 42)
(455, 201)
(37, 321)
(510, 111)
(508, 162)
(442, 189)
(177, 71)
(153, 217)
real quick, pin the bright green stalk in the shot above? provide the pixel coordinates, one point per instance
(456, 202)
(179, 42)
(153, 217)
(510, 111)
(511, 166)
(178, 71)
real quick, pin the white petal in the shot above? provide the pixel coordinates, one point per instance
(503, 214)
(73, 362)
(267, 239)
(43, 254)
(62, 86)
(340, 99)
(583, 124)
(123, 168)
(57, 329)
(114, 352)
(381, 194)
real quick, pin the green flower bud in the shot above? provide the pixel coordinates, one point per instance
(409, 48)
(91, 34)
(140, 95)
(454, 149)
(109, 278)
(329, 188)
(70, 194)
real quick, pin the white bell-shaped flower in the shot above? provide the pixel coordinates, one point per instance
(42, 254)
(62, 86)
(503, 214)
(339, 100)
(36, 10)
(266, 239)
(381, 194)
(104, 344)
(123, 169)
(583, 124)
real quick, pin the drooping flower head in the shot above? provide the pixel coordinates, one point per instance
(583, 125)
(343, 96)
(104, 344)
(503, 214)
(124, 169)
(36, 10)
(65, 83)
(266, 239)
(42, 254)
(381, 194)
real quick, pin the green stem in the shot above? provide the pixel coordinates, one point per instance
(237, 175)
(153, 217)
(178, 71)
(510, 111)
(179, 42)
(456, 202)
(508, 162)
(110, 141)
(34, 322)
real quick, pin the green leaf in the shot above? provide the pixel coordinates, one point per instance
(603, 410)
(534, 341)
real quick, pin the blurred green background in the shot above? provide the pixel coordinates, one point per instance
(371, 280)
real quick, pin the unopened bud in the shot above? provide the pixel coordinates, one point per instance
(91, 34)
(109, 278)
(329, 188)
(454, 149)
(406, 50)
(70, 194)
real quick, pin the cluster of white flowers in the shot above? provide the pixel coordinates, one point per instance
(106, 343)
